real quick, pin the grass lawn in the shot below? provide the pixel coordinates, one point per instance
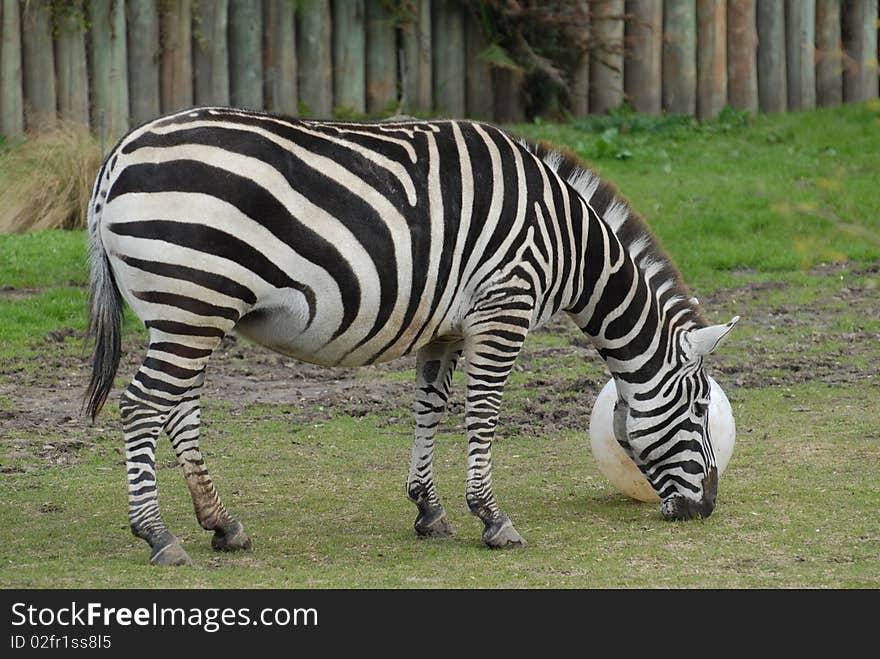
(774, 218)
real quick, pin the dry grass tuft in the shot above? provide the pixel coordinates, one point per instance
(46, 180)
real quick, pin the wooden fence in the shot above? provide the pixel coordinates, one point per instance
(115, 63)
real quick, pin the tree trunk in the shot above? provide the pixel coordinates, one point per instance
(39, 67)
(509, 103)
(381, 58)
(109, 68)
(418, 77)
(176, 65)
(143, 60)
(246, 54)
(449, 58)
(606, 63)
(860, 40)
(829, 53)
(772, 79)
(284, 92)
(643, 65)
(211, 56)
(314, 40)
(800, 46)
(478, 95)
(578, 33)
(11, 93)
(680, 57)
(711, 58)
(742, 55)
(349, 56)
(70, 65)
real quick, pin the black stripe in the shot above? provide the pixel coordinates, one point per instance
(210, 280)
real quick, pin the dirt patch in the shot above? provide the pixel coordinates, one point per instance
(40, 404)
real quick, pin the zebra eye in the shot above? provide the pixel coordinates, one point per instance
(701, 409)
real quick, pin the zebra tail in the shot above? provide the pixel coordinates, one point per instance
(105, 320)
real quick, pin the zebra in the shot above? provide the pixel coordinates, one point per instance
(354, 243)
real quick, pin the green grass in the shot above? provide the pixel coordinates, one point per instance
(747, 207)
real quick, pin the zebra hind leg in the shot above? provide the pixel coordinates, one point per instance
(183, 427)
(435, 365)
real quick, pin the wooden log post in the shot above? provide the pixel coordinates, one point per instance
(509, 102)
(110, 108)
(176, 89)
(417, 71)
(70, 64)
(381, 59)
(829, 53)
(860, 41)
(448, 22)
(772, 79)
(246, 54)
(742, 55)
(11, 91)
(478, 95)
(606, 62)
(680, 57)
(38, 66)
(349, 56)
(314, 42)
(711, 58)
(143, 60)
(577, 34)
(284, 64)
(644, 55)
(211, 54)
(800, 46)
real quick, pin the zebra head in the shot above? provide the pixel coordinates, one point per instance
(664, 427)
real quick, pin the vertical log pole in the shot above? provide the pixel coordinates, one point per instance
(11, 92)
(381, 58)
(643, 63)
(416, 33)
(176, 89)
(314, 41)
(349, 56)
(246, 54)
(606, 63)
(211, 53)
(742, 55)
(143, 59)
(448, 22)
(285, 96)
(478, 94)
(38, 66)
(70, 64)
(772, 79)
(860, 41)
(680, 57)
(711, 57)
(578, 34)
(800, 46)
(829, 53)
(109, 68)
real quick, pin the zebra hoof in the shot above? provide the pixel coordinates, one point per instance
(501, 534)
(231, 538)
(170, 554)
(433, 524)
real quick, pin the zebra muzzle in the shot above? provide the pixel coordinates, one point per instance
(680, 508)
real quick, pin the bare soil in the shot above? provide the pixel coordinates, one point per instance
(41, 415)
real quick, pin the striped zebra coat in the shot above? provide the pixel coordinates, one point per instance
(348, 244)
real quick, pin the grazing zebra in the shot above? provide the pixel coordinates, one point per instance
(355, 243)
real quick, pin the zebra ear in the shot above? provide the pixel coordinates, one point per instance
(703, 341)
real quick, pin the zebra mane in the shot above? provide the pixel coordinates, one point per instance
(631, 229)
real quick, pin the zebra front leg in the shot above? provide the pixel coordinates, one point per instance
(435, 365)
(183, 427)
(490, 357)
(142, 424)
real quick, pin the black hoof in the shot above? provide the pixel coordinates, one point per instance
(169, 553)
(433, 524)
(231, 538)
(501, 533)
